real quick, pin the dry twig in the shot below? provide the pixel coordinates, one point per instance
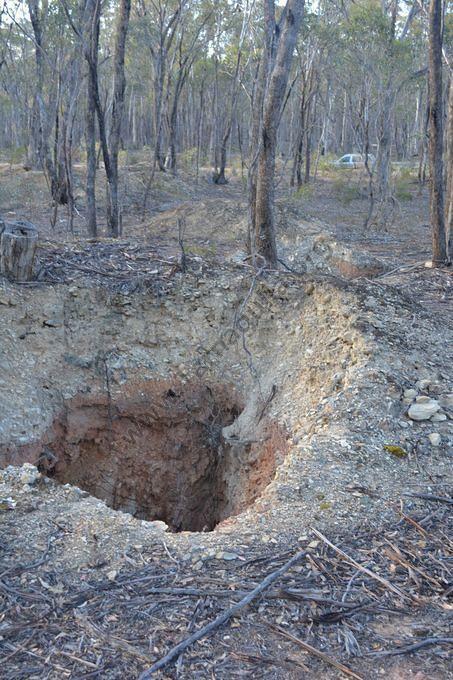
(221, 619)
(316, 652)
(365, 570)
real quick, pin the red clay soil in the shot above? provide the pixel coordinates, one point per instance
(157, 452)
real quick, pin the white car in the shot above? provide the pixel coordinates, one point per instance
(355, 160)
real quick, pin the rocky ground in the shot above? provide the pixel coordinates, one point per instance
(331, 439)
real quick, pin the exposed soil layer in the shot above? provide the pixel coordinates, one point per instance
(158, 453)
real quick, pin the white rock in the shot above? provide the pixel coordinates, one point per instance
(434, 438)
(410, 394)
(29, 474)
(422, 384)
(423, 408)
(224, 555)
(7, 503)
(438, 417)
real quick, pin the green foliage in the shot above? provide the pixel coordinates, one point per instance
(325, 163)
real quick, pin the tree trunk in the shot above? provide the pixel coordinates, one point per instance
(18, 241)
(199, 129)
(119, 86)
(219, 177)
(437, 214)
(41, 128)
(449, 174)
(91, 47)
(385, 135)
(265, 242)
(159, 78)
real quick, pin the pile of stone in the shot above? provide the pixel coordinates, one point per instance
(424, 407)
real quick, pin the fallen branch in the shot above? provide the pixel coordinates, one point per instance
(431, 497)
(365, 570)
(221, 619)
(316, 652)
(412, 648)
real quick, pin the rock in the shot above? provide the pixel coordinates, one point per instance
(434, 438)
(410, 394)
(423, 399)
(229, 556)
(422, 384)
(29, 474)
(79, 362)
(7, 504)
(423, 408)
(446, 401)
(438, 418)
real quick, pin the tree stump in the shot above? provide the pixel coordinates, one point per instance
(18, 241)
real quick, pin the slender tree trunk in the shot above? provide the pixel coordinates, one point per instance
(261, 82)
(437, 214)
(265, 242)
(423, 145)
(159, 78)
(449, 173)
(385, 135)
(119, 86)
(219, 177)
(91, 30)
(41, 128)
(199, 130)
(36, 136)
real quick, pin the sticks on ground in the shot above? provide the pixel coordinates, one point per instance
(316, 652)
(417, 645)
(222, 618)
(431, 497)
(365, 570)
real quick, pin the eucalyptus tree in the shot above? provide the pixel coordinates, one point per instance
(233, 58)
(448, 59)
(277, 57)
(49, 53)
(437, 214)
(190, 39)
(379, 57)
(159, 22)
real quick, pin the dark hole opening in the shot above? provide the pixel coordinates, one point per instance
(158, 453)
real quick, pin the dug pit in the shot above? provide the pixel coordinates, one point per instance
(159, 452)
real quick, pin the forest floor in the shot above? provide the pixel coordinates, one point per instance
(335, 204)
(88, 592)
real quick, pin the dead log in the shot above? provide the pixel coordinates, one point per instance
(18, 241)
